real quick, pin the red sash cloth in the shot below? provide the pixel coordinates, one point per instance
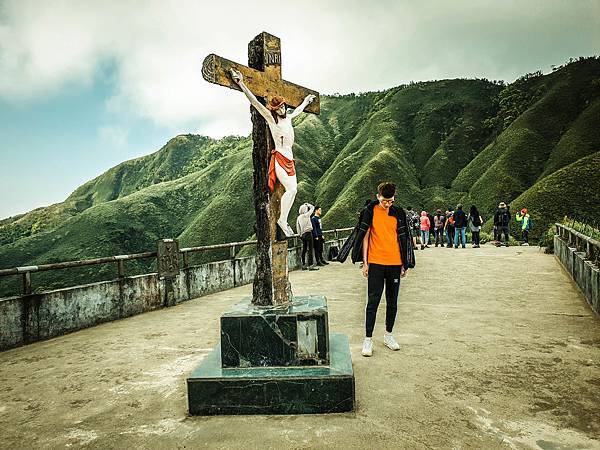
(285, 163)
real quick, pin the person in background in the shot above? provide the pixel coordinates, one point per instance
(525, 225)
(460, 226)
(449, 224)
(431, 231)
(304, 229)
(438, 227)
(475, 221)
(317, 233)
(425, 226)
(502, 221)
(414, 224)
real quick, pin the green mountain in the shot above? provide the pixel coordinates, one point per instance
(533, 143)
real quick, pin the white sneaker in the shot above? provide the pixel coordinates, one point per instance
(367, 349)
(390, 342)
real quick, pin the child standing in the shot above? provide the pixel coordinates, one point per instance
(525, 225)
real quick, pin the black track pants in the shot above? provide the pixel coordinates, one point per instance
(379, 277)
(307, 245)
(318, 244)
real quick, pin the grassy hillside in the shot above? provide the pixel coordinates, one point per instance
(571, 190)
(530, 148)
(181, 156)
(417, 136)
(531, 143)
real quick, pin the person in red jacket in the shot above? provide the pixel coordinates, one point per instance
(425, 226)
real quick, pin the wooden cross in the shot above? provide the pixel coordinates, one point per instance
(263, 78)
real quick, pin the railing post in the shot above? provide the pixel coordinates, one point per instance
(232, 255)
(167, 264)
(120, 269)
(27, 283)
(186, 260)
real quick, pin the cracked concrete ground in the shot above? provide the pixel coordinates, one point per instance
(499, 350)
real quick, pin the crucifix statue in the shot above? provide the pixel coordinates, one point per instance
(275, 182)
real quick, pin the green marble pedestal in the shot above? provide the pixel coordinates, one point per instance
(275, 361)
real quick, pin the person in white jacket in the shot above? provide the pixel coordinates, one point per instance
(304, 229)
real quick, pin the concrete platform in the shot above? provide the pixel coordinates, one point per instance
(499, 350)
(213, 390)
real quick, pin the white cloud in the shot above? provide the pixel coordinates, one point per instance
(336, 46)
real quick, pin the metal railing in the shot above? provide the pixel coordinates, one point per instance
(585, 225)
(580, 241)
(26, 271)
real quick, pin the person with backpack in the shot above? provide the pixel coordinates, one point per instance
(449, 224)
(384, 246)
(425, 225)
(460, 226)
(475, 221)
(502, 222)
(526, 225)
(438, 227)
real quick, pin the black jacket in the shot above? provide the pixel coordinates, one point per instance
(404, 237)
(502, 217)
(460, 219)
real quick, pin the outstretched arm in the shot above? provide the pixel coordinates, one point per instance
(310, 210)
(307, 100)
(239, 79)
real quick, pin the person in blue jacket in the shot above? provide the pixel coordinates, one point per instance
(318, 239)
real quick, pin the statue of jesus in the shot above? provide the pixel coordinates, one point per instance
(282, 164)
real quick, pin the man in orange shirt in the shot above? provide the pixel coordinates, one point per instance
(384, 245)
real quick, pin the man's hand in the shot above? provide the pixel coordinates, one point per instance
(365, 270)
(237, 76)
(403, 272)
(310, 98)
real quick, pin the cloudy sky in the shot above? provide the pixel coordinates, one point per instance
(85, 85)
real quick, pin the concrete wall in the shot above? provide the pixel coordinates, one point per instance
(31, 318)
(585, 274)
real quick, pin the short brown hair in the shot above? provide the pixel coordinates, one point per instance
(386, 189)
